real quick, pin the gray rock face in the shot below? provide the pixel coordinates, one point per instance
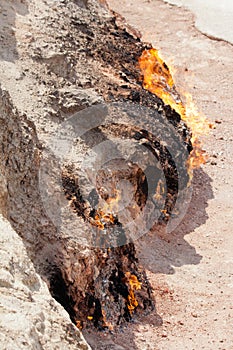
(30, 317)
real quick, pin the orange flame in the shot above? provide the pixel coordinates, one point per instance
(105, 322)
(134, 284)
(79, 324)
(157, 78)
(106, 214)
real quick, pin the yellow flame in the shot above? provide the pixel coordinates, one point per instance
(157, 78)
(106, 214)
(134, 284)
(105, 322)
(132, 301)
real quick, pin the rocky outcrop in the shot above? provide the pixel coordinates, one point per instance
(57, 59)
(30, 317)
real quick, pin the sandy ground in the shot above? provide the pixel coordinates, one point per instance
(213, 17)
(191, 269)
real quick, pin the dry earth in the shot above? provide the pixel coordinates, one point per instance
(191, 269)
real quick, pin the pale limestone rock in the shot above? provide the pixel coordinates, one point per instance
(29, 317)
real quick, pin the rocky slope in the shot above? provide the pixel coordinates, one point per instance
(56, 59)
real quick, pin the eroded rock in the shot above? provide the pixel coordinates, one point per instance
(77, 55)
(30, 317)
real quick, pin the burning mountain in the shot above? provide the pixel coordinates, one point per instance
(93, 59)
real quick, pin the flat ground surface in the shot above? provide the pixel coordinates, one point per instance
(191, 269)
(212, 16)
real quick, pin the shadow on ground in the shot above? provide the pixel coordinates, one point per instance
(160, 252)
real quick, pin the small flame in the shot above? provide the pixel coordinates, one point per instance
(132, 301)
(105, 322)
(107, 215)
(134, 284)
(157, 78)
(79, 324)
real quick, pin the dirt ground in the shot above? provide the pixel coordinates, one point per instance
(191, 269)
